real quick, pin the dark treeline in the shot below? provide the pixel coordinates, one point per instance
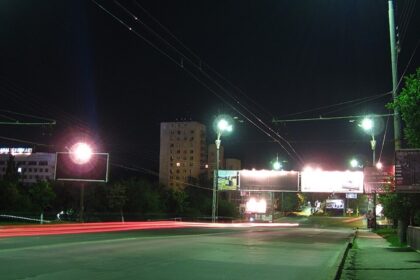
(122, 199)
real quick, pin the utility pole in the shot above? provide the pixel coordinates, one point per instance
(397, 124)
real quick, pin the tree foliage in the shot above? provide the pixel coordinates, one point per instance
(41, 195)
(408, 104)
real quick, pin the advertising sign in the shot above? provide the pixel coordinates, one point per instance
(332, 181)
(334, 204)
(351, 195)
(95, 170)
(268, 180)
(228, 180)
(379, 180)
(407, 170)
(16, 151)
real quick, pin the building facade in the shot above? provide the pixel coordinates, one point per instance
(233, 164)
(183, 154)
(32, 167)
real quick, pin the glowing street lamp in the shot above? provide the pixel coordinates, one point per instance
(222, 125)
(277, 165)
(81, 153)
(354, 163)
(368, 125)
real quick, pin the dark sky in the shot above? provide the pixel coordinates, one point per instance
(73, 62)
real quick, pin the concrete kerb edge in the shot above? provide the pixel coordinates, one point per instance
(342, 259)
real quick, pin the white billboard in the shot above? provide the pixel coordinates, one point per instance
(268, 180)
(332, 181)
(334, 204)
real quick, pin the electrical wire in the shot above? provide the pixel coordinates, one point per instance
(197, 78)
(200, 62)
(406, 22)
(368, 98)
(151, 172)
(24, 141)
(383, 139)
(51, 121)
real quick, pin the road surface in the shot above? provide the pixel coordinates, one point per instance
(276, 252)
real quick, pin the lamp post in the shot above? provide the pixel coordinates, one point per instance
(222, 125)
(81, 153)
(368, 126)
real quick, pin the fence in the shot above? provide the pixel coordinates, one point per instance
(413, 237)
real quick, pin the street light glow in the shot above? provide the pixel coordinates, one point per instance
(277, 165)
(379, 165)
(81, 153)
(367, 124)
(223, 125)
(354, 163)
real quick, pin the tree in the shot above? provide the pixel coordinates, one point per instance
(41, 195)
(11, 174)
(408, 104)
(117, 197)
(405, 207)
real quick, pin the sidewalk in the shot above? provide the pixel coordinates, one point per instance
(372, 258)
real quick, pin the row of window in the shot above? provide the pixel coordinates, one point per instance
(42, 162)
(179, 132)
(37, 177)
(179, 151)
(23, 170)
(171, 171)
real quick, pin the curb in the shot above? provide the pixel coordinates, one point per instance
(344, 256)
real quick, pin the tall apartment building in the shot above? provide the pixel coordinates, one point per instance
(232, 164)
(183, 153)
(32, 167)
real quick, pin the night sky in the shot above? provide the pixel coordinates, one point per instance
(73, 62)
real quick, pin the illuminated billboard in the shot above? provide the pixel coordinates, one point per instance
(228, 180)
(16, 151)
(378, 180)
(94, 170)
(256, 206)
(332, 181)
(334, 204)
(268, 180)
(407, 170)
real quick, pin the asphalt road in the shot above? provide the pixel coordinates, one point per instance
(186, 253)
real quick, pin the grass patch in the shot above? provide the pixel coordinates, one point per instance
(391, 235)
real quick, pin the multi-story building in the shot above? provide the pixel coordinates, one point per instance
(232, 164)
(32, 167)
(183, 153)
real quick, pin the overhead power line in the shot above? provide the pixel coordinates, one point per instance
(331, 118)
(18, 122)
(196, 76)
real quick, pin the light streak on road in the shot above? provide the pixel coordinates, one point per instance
(37, 230)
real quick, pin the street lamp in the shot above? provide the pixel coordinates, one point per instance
(81, 153)
(277, 164)
(354, 163)
(223, 124)
(368, 125)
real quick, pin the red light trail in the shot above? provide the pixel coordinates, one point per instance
(38, 230)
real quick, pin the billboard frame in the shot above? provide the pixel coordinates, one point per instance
(82, 180)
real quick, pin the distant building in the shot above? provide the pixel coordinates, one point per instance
(211, 162)
(31, 167)
(183, 153)
(233, 164)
